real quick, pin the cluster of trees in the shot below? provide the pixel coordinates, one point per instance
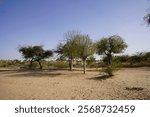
(80, 46)
(77, 46)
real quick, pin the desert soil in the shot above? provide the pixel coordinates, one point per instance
(128, 83)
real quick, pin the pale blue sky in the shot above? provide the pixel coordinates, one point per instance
(34, 22)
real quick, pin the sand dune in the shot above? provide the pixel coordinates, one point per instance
(129, 83)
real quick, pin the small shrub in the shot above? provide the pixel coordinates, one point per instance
(109, 71)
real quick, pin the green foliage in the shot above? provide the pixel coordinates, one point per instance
(114, 45)
(56, 64)
(91, 61)
(146, 56)
(61, 58)
(122, 59)
(76, 46)
(140, 59)
(69, 48)
(137, 60)
(105, 60)
(85, 48)
(109, 70)
(10, 63)
(4, 63)
(35, 53)
(109, 46)
(101, 64)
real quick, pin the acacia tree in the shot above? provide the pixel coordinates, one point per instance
(85, 48)
(41, 54)
(69, 48)
(111, 45)
(28, 54)
(35, 53)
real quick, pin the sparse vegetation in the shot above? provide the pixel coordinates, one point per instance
(139, 59)
(92, 65)
(78, 50)
(10, 63)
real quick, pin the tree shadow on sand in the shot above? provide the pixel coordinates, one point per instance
(8, 71)
(27, 73)
(100, 78)
(37, 75)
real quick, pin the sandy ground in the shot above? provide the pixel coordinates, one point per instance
(129, 83)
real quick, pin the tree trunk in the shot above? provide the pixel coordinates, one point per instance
(84, 66)
(31, 64)
(40, 64)
(109, 67)
(109, 60)
(71, 64)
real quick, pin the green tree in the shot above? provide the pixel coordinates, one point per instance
(85, 48)
(35, 53)
(109, 46)
(69, 48)
(28, 54)
(147, 56)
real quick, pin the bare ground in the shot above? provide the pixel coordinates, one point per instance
(129, 83)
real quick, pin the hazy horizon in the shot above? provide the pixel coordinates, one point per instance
(44, 22)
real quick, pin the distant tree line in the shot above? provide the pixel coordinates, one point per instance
(77, 46)
(138, 59)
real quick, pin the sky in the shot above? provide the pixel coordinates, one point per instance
(44, 22)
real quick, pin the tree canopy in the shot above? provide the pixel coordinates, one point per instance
(76, 45)
(85, 48)
(111, 45)
(35, 53)
(69, 48)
